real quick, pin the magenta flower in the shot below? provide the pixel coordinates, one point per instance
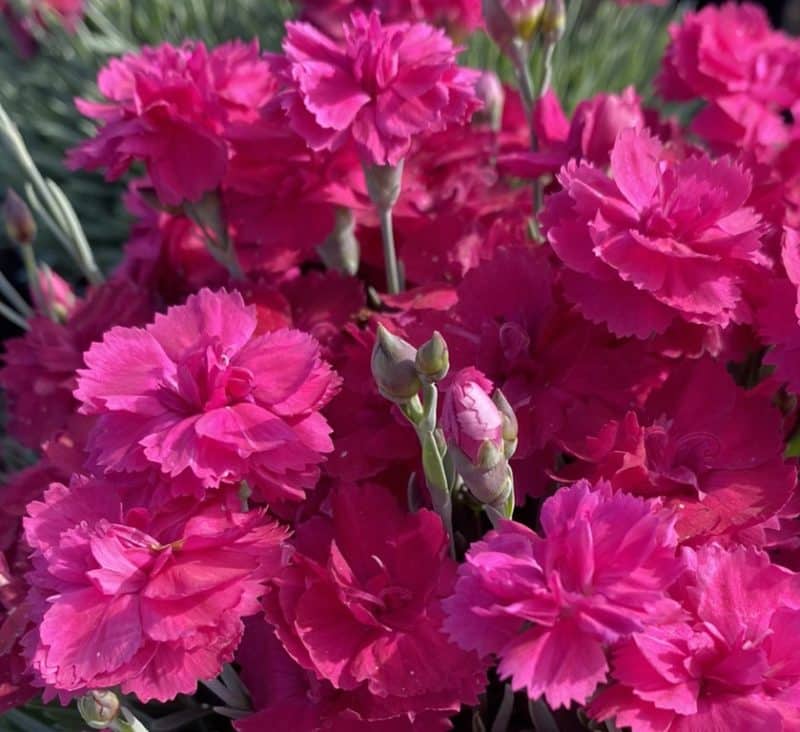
(657, 242)
(201, 397)
(731, 664)
(747, 72)
(147, 598)
(359, 605)
(169, 108)
(590, 136)
(711, 450)
(386, 85)
(288, 698)
(549, 606)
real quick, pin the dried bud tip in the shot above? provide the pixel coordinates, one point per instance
(99, 708)
(18, 220)
(433, 359)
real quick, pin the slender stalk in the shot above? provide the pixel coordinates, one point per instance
(13, 316)
(14, 298)
(59, 215)
(389, 251)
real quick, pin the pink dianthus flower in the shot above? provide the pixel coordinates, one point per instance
(385, 85)
(657, 242)
(550, 606)
(147, 598)
(169, 107)
(731, 664)
(359, 604)
(201, 397)
(710, 449)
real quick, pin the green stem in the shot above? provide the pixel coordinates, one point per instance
(389, 252)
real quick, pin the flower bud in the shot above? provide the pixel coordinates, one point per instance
(470, 418)
(433, 359)
(19, 224)
(510, 424)
(490, 91)
(99, 708)
(53, 295)
(384, 183)
(341, 251)
(393, 367)
(507, 20)
(553, 21)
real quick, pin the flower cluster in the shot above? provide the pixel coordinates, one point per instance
(412, 390)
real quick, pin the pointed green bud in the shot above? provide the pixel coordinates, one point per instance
(433, 359)
(18, 220)
(510, 424)
(99, 708)
(393, 367)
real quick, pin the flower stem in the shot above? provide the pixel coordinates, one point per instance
(389, 251)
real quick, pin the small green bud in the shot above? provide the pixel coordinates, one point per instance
(393, 367)
(433, 359)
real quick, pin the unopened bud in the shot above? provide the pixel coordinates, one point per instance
(553, 21)
(393, 367)
(510, 423)
(490, 91)
(340, 251)
(433, 359)
(53, 294)
(384, 183)
(509, 20)
(18, 220)
(99, 708)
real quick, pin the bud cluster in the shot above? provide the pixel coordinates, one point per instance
(472, 440)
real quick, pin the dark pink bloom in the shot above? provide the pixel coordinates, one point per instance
(722, 51)
(469, 416)
(39, 371)
(660, 241)
(148, 598)
(710, 449)
(359, 605)
(282, 196)
(746, 71)
(386, 85)
(590, 136)
(199, 396)
(288, 697)
(169, 107)
(548, 607)
(731, 664)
